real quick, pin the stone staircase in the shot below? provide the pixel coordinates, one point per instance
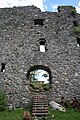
(40, 106)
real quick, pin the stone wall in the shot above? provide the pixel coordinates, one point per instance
(19, 50)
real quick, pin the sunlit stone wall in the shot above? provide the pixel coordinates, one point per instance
(22, 31)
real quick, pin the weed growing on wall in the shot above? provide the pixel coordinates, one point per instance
(2, 101)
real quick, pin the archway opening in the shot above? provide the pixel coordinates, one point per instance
(39, 78)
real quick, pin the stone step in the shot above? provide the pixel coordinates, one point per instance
(39, 96)
(40, 105)
(44, 102)
(39, 114)
(34, 105)
(41, 111)
(40, 99)
(40, 108)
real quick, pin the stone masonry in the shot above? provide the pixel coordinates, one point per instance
(22, 31)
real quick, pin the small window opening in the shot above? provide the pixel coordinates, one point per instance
(78, 42)
(56, 32)
(68, 16)
(31, 27)
(45, 26)
(3, 67)
(75, 23)
(39, 22)
(42, 46)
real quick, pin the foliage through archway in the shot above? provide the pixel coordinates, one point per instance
(39, 78)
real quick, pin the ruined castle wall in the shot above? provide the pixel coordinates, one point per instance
(19, 50)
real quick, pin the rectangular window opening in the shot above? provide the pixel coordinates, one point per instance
(39, 22)
(3, 67)
(42, 46)
(75, 23)
(78, 42)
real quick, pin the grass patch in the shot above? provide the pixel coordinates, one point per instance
(70, 114)
(11, 115)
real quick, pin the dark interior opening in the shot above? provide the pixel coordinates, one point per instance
(3, 67)
(42, 42)
(75, 23)
(78, 41)
(39, 22)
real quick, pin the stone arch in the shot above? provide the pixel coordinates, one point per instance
(40, 67)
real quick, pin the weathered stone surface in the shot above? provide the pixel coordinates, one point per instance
(57, 106)
(19, 49)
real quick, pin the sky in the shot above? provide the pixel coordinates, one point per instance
(39, 75)
(44, 5)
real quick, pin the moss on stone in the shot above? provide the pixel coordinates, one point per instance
(77, 29)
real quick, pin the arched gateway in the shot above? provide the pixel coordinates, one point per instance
(31, 39)
(39, 77)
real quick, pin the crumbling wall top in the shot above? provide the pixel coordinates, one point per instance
(66, 9)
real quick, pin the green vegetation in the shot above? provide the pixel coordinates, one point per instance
(11, 115)
(73, 11)
(68, 6)
(46, 86)
(39, 85)
(2, 101)
(70, 114)
(77, 29)
(34, 84)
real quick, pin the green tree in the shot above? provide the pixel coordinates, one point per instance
(33, 76)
